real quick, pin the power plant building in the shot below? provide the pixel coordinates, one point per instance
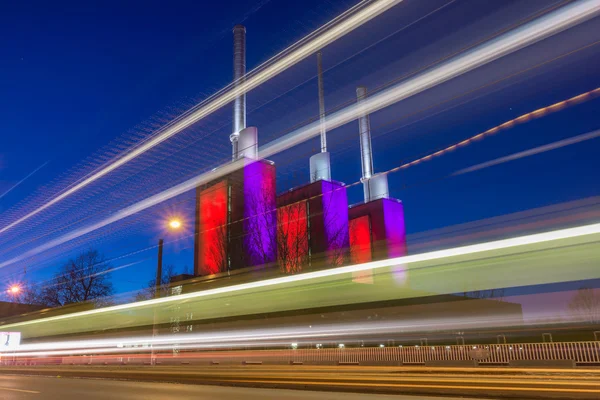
(241, 223)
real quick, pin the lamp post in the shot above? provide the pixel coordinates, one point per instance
(173, 224)
(159, 270)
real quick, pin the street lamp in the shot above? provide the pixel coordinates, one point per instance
(173, 224)
(14, 290)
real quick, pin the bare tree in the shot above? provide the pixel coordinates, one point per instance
(585, 305)
(83, 278)
(28, 295)
(213, 238)
(260, 226)
(292, 238)
(293, 226)
(217, 249)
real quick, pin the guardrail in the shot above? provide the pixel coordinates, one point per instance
(579, 353)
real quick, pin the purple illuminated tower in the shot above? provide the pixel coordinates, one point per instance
(377, 229)
(312, 231)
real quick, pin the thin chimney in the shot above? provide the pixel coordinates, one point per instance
(364, 125)
(375, 186)
(321, 102)
(320, 164)
(239, 70)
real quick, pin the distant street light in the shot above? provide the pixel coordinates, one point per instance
(14, 290)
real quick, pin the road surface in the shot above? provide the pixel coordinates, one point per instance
(519, 383)
(13, 387)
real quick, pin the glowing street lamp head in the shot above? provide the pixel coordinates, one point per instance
(14, 289)
(174, 224)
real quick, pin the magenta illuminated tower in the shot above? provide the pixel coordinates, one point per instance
(312, 229)
(377, 229)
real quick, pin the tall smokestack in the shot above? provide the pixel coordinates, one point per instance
(375, 186)
(364, 126)
(320, 164)
(239, 70)
(321, 102)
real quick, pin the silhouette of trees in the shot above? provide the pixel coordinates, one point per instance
(292, 238)
(217, 249)
(83, 278)
(259, 246)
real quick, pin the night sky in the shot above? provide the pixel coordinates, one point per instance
(78, 76)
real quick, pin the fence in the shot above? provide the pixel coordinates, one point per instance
(582, 353)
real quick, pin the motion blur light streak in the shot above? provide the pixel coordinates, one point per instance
(359, 15)
(505, 125)
(530, 152)
(13, 187)
(539, 238)
(530, 33)
(257, 337)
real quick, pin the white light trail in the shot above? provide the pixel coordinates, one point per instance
(306, 277)
(342, 25)
(13, 187)
(531, 152)
(485, 53)
(260, 336)
(516, 39)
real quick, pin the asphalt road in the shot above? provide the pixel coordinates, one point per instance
(524, 383)
(13, 387)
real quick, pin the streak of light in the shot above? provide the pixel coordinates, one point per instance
(503, 45)
(261, 337)
(505, 125)
(23, 180)
(531, 152)
(342, 25)
(405, 260)
(19, 390)
(108, 271)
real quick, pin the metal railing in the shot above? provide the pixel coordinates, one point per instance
(581, 353)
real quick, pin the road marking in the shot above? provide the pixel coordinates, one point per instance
(20, 390)
(420, 386)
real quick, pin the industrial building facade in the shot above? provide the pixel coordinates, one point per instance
(241, 223)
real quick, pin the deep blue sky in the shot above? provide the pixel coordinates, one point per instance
(77, 75)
